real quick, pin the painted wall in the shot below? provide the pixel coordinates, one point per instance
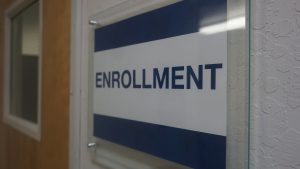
(18, 151)
(276, 84)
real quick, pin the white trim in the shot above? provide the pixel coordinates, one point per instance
(31, 129)
(238, 102)
(75, 86)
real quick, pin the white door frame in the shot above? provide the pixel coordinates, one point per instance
(75, 85)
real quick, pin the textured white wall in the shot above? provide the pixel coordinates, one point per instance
(275, 141)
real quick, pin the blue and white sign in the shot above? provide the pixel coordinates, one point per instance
(160, 83)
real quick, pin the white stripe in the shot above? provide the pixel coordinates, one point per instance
(192, 109)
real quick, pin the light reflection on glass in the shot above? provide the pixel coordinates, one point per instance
(231, 24)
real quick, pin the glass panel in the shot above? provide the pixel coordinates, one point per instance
(24, 63)
(235, 28)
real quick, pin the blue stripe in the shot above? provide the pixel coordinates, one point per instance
(177, 19)
(190, 148)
